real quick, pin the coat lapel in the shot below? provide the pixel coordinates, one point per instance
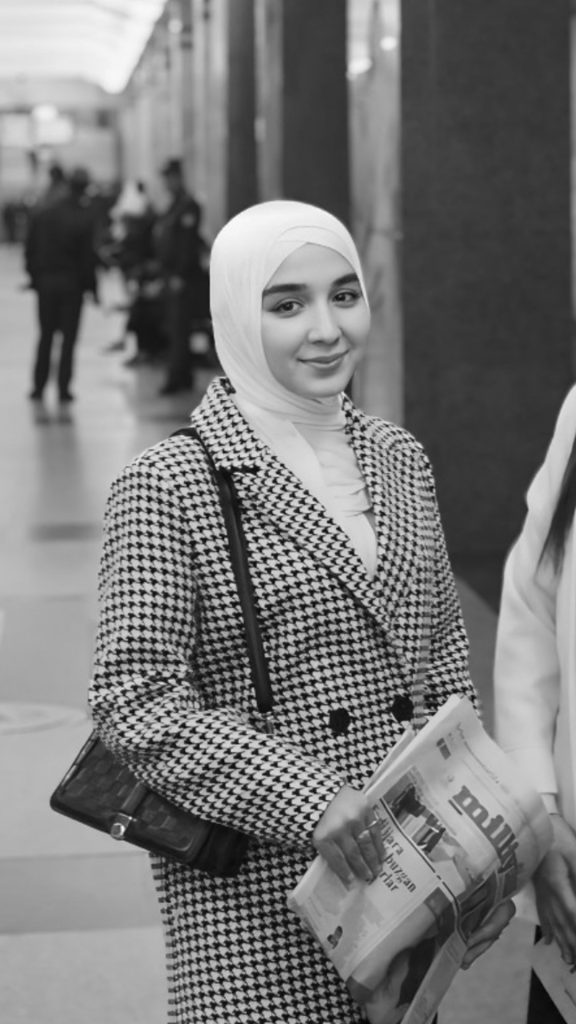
(264, 483)
(395, 502)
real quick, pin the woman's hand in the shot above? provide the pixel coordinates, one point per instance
(489, 931)
(349, 838)
(555, 885)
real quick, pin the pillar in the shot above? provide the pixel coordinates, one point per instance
(225, 76)
(302, 102)
(241, 188)
(187, 53)
(486, 291)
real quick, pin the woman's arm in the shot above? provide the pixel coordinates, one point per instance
(448, 670)
(144, 697)
(555, 888)
(527, 669)
(527, 680)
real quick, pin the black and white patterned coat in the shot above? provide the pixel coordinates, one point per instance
(172, 694)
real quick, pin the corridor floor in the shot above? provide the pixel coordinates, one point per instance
(80, 940)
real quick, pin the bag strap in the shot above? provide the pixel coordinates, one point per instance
(230, 505)
(419, 714)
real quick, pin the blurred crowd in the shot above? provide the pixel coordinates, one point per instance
(153, 258)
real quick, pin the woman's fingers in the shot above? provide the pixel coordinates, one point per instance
(352, 856)
(362, 853)
(489, 931)
(555, 896)
(349, 837)
(336, 860)
(369, 844)
(473, 953)
(560, 927)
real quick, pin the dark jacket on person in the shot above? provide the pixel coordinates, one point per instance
(177, 240)
(59, 248)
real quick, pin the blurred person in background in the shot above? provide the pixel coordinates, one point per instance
(129, 253)
(179, 249)
(57, 186)
(141, 271)
(131, 218)
(10, 221)
(60, 262)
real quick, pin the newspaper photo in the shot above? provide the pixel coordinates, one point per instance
(462, 832)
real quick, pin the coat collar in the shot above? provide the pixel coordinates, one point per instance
(263, 480)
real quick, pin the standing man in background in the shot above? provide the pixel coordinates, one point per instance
(178, 248)
(60, 262)
(57, 186)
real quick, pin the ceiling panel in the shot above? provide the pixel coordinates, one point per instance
(98, 40)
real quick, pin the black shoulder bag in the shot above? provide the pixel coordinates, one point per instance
(99, 791)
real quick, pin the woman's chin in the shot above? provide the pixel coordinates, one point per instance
(327, 387)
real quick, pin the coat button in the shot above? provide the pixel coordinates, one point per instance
(402, 708)
(339, 721)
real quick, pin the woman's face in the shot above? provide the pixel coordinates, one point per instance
(315, 322)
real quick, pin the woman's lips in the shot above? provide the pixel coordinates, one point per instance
(325, 360)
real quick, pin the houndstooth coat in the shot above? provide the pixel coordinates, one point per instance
(172, 695)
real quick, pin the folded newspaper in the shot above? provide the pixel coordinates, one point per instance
(462, 832)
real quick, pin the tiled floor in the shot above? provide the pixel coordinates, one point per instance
(79, 932)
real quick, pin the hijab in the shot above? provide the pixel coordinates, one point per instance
(307, 434)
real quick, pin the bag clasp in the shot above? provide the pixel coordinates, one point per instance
(120, 826)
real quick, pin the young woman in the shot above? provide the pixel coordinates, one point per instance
(535, 674)
(336, 506)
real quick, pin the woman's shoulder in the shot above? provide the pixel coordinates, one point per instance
(393, 432)
(174, 457)
(388, 434)
(561, 441)
(566, 420)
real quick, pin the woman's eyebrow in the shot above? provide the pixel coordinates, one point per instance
(347, 279)
(277, 289)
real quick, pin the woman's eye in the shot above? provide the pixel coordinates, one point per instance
(347, 297)
(287, 306)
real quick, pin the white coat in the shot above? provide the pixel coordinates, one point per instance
(535, 663)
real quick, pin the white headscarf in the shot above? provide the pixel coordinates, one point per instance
(307, 434)
(246, 254)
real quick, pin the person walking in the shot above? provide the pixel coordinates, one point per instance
(179, 249)
(534, 679)
(57, 186)
(60, 262)
(336, 506)
(133, 218)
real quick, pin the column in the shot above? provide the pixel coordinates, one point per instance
(302, 102)
(486, 251)
(241, 188)
(187, 53)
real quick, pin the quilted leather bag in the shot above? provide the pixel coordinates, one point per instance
(99, 791)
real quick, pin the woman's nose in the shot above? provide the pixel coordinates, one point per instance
(325, 327)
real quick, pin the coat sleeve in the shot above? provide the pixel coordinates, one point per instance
(448, 669)
(144, 698)
(87, 254)
(30, 248)
(527, 668)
